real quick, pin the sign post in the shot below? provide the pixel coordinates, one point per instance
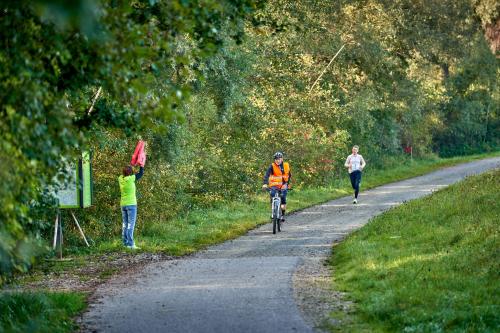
(77, 193)
(409, 150)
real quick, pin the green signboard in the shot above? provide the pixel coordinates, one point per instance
(78, 192)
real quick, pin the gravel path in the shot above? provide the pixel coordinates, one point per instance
(259, 282)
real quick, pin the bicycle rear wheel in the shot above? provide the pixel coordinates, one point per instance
(275, 222)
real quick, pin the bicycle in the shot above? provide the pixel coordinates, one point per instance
(276, 210)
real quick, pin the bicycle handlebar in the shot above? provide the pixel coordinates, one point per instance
(268, 189)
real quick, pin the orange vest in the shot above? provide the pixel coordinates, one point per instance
(277, 178)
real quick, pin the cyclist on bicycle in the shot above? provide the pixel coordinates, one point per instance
(277, 178)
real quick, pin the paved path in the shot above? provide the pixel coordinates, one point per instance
(245, 285)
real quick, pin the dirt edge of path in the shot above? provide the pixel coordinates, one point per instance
(316, 297)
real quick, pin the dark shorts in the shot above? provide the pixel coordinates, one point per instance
(283, 194)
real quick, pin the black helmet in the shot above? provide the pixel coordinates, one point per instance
(278, 155)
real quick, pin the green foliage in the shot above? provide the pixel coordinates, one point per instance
(54, 57)
(471, 111)
(428, 265)
(39, 312)
(216, 87)
(487, 10)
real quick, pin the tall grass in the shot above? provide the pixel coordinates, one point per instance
(430, 265)
(39, 312)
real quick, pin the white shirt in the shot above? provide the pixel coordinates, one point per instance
(355, 162)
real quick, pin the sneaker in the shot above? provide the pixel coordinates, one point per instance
(355, 201)
(133, 247)
(282, 220)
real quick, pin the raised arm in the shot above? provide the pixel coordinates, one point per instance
(139, 174)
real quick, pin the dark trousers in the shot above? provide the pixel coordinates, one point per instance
(355, 181)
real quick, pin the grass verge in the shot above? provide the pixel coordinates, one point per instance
(430, 265)
(39, 312)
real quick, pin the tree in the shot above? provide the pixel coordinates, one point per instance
(54, 56)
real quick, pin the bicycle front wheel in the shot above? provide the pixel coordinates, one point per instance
(275, 223)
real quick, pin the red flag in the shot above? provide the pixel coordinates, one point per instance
(139, 156)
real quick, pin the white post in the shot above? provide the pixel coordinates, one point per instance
(79, 228)
(94, 100)
(55, 231)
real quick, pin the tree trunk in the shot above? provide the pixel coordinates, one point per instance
(492, 33)
(445, 68)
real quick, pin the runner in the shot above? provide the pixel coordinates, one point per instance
(355, 163)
